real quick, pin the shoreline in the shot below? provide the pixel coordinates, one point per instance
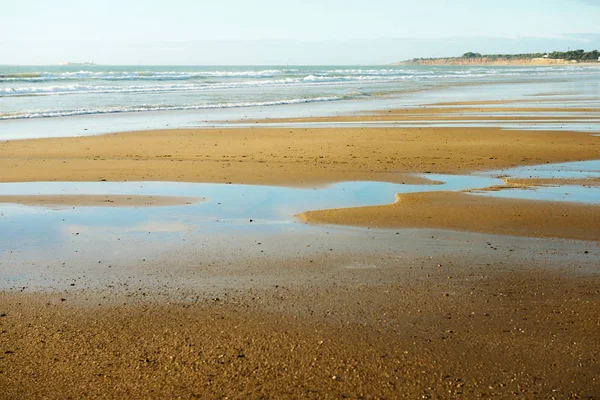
(97, 124)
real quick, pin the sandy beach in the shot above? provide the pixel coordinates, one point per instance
(261, 200)
(490, 298)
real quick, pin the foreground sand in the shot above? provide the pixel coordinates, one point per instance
(492, 332)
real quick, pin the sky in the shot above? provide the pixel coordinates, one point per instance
(284, 32)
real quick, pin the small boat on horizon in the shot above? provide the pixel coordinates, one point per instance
(78, 63)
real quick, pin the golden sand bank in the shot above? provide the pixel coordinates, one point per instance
(279, 156)
(461, 211)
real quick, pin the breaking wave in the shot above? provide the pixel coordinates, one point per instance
(38, 92)
(153, 107)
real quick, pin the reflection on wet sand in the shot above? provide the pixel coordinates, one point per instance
(234, 212)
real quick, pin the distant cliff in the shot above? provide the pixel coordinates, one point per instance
(483, 61)
(556, 57)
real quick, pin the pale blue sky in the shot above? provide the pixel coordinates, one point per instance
(35, 31)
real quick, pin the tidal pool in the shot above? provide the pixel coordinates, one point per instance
(569, 170)
(58, 246)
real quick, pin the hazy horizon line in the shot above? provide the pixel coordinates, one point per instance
(273, 51)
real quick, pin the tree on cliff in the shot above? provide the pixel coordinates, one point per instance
(575, 55)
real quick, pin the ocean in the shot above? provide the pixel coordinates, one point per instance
(57, 91)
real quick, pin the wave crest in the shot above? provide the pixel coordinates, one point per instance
(154, 107)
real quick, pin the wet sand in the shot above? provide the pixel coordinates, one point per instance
(98, 200)
(462, 211)
(588, 182)
(513, 101)
(440, 331)
(475, 111)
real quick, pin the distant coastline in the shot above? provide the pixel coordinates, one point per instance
(470, 58)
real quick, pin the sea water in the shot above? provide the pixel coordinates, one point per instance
(53, 91)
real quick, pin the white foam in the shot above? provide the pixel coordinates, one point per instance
(306, 74)
(63, 89)
(98, 89)
(138, 75)
(152, 107)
